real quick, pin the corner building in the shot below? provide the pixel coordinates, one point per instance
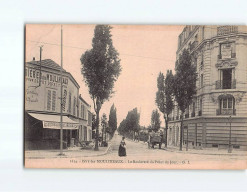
(218, 113)
(43, 104)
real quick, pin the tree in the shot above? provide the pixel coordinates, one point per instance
(133, 119)
(104, 125)
(184, 85)
(131, 123)
(164, 99)
(100, 69)
(112, 120)
(94, 121)
(155, 120)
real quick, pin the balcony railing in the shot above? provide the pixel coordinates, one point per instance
(226, 111)
(233, 55)
(221, 30)
(199, 113)
(225, 85)
(193, 114)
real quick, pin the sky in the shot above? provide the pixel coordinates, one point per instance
(144, 50)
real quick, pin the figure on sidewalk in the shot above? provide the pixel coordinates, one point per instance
(122, 148)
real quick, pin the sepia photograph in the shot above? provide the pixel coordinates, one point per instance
(135, 96)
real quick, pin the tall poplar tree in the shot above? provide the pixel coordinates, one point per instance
(112, 120)
(164, 95)
(184, 85)
(100, 69)
(155, 120)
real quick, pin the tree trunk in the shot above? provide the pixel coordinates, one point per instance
(181, 133)
(96, 148)
(166, 121)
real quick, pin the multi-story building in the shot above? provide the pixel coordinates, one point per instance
(43, 107)
(218, 114)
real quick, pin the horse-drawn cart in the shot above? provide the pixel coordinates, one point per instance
(155, 139)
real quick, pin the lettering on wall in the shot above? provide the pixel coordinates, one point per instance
(51, 80)
(31, 95)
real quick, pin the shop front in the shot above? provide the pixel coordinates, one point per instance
(42, 131)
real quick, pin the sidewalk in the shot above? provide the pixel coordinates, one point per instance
(206, 151)
(74, 152)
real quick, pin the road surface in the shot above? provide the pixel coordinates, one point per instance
(140, 156)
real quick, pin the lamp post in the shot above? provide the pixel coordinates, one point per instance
(187, 142)
(230, 136)
(61, 95)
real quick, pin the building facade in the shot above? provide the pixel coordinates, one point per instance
(43, 107)
(218, 114)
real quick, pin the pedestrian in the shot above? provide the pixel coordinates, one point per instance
(122, 148)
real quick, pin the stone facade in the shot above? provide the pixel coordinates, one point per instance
(219, 53)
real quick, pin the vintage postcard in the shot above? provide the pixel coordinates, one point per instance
(135, 96)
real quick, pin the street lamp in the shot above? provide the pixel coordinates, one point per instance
(230, 136)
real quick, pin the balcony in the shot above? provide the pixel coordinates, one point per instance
(226, 112)
(225, 85)
(222, 30)
(193, 114)
(233, 55)
(199, 113)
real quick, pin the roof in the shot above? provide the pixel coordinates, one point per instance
(47, 63)
(83, 100)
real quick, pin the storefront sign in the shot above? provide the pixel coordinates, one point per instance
(48, 79)
(56, 125)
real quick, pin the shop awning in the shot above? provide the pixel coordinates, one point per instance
(53, 121)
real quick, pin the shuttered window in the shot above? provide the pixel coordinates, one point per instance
(53, 100)
(49, 100)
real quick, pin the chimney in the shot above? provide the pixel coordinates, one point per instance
(33, 58)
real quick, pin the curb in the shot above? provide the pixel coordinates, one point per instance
(102, 154)
(189, 152)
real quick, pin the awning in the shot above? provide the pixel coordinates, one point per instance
(53, 121)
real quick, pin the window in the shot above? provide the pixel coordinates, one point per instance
(64, 98)
(85, 133)
(227, 50)
(53, 100)
(81, 111)
(227, 78)
(226, 105)
(201, 80)
(89, 118)
(74, 106)
(48, 99)
(69, 102)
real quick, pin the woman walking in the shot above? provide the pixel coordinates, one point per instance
(122, 148)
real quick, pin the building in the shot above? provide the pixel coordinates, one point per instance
(42, 108)
(219, 53)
